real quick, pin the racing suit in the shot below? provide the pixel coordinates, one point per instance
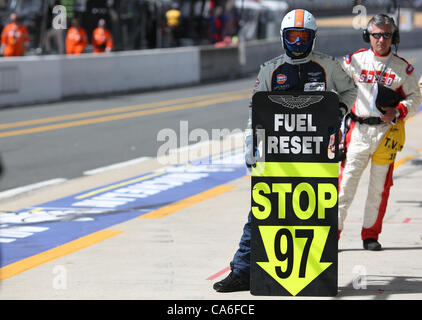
(316, 72)
(363, 139)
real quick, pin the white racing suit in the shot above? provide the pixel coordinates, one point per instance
(362, 139)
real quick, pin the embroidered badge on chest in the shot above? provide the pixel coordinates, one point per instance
(281, 78)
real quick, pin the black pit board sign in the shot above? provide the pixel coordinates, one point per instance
(294, 194)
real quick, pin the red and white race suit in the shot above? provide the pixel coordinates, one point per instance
(362, 140)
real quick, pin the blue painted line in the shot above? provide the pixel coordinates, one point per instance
(37, 229)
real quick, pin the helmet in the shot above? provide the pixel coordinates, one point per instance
(298, 32)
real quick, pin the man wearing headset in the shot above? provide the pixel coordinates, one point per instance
(371, 123)
(299, 69)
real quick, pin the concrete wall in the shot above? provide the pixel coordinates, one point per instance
(29, 80)
(37, 79)
(125, 71)
(257, 52)
(218, 63)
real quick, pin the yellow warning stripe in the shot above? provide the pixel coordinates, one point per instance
(402, 161)
(179, 205)
(83, 242)
(119, 109)
(122, 116)
(60, 251)
(296, 169)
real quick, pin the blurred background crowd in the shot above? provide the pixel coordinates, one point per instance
(116, 25)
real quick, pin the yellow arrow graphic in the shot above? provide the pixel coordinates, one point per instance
(294, 254)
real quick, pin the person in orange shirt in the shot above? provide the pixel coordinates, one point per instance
(102, 40)
(14, 38)
(76, 39)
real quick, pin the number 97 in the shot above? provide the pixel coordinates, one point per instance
(308, 234)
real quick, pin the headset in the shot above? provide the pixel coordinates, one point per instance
(395, 38)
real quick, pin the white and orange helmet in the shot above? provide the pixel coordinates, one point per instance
(298, 32)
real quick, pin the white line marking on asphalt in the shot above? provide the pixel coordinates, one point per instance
(16, 191)
(116, 166)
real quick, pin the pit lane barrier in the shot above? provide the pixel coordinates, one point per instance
(43, 79)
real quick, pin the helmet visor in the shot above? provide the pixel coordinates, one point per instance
(292, 36)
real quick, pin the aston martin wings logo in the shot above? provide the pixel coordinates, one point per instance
(299, 102)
